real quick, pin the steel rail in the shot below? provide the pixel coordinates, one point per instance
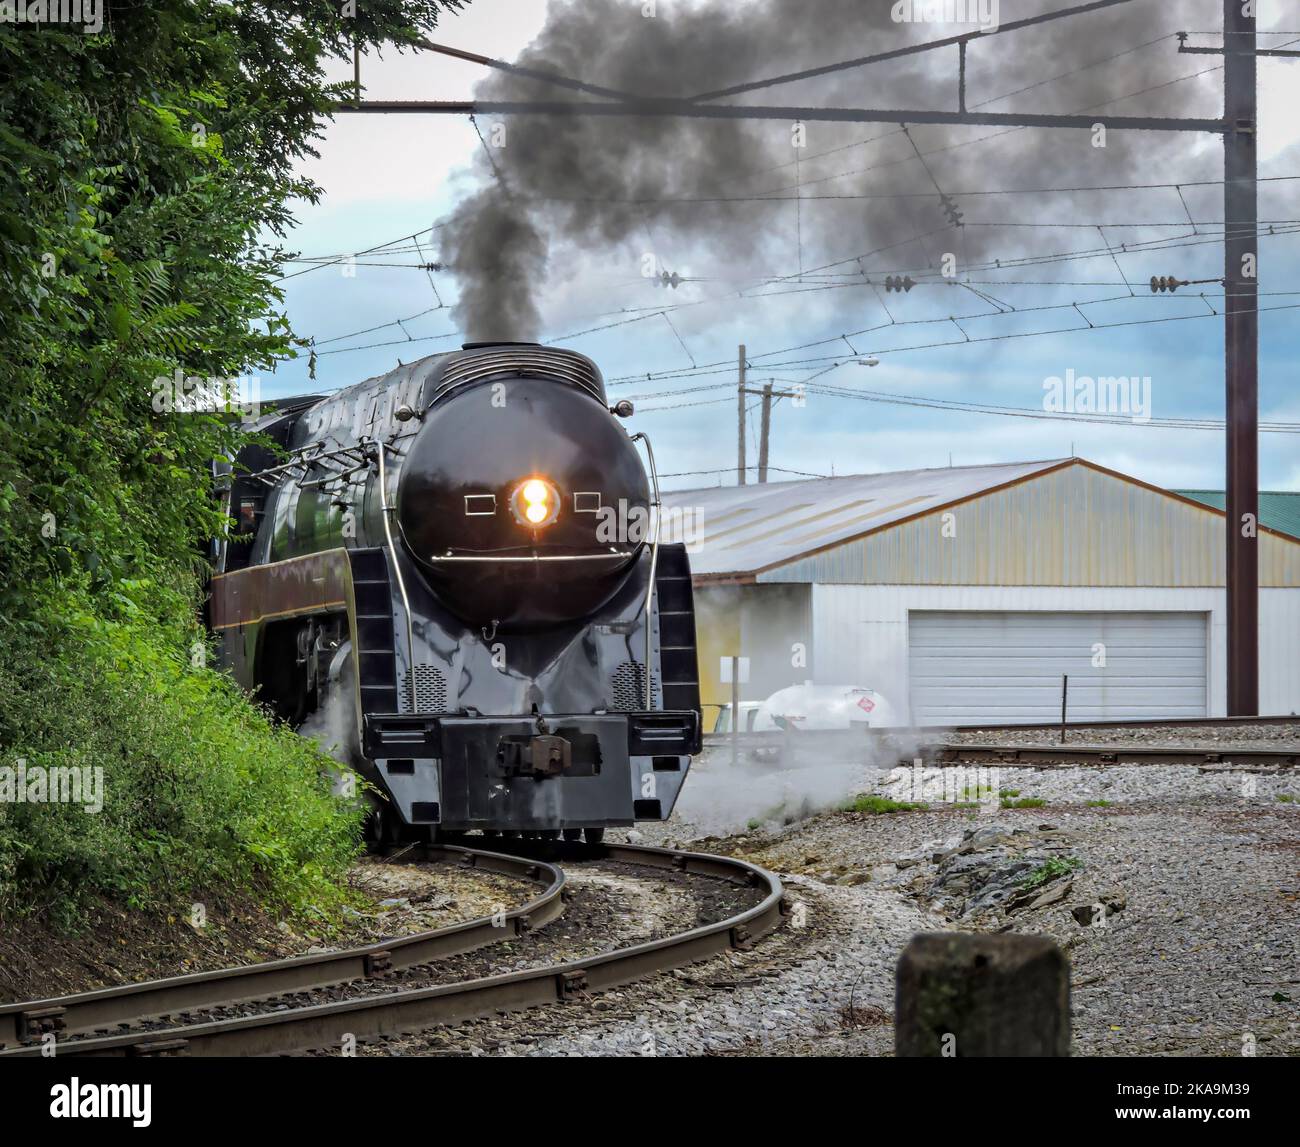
(107, 1008)
(758, 738)
(328, 1025)
(1126, 723)
(1034, 756)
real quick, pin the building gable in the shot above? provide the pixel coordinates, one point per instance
(1077, 524)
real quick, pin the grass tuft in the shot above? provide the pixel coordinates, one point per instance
(1051, 869)
(870, 803)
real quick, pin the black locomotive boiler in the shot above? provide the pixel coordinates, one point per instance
(452, 569)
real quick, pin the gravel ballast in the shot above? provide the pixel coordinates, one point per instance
(1178, 904)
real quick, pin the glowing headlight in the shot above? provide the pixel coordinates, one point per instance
(535, 503)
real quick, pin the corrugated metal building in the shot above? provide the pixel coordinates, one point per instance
(1278, 509)
(964, 594)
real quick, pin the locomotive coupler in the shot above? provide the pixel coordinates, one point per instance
(540, 756)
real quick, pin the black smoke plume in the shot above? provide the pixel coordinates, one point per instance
(590, 184)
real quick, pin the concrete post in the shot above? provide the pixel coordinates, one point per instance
(974, 995)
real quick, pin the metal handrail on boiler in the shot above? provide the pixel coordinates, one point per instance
(387, 509)
(640, 436)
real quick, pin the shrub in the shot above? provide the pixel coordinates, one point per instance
(202, 791)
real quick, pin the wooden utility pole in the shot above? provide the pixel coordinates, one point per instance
(765, 428)
(1241, 354)
(740, 419)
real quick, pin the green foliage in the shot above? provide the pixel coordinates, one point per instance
(201, 792)
(869, 803)
(1050, 869)
(147, 175)
(1098, 804)
(1023, 802)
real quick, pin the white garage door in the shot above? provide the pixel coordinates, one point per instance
(1001, 667)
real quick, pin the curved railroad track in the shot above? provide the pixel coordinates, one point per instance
(127, 1005)
(326, 1025)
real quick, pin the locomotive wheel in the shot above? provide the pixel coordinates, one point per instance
(383, 826)
(594, 835)
(573, 834)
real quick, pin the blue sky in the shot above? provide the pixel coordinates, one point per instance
(386, 177)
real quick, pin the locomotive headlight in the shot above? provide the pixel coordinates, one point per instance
(535, 503)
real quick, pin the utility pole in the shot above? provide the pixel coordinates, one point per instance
(1241, 353)
(740, 419)
(765, 427)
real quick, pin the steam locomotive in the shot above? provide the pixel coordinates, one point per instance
(455, 567)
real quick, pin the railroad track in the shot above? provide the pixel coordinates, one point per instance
(1223, 759)
(106, 1009)
(327, 1025)
(839, 738)
(1129, 723)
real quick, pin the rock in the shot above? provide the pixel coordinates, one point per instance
(939, 850)
(1114, 900)
(1053, 895)
(985, 837)
(1108, 903)
(1083, 913)
(1035, 898)
(1000, 887)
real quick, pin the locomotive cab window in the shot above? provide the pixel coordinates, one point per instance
(247, 507)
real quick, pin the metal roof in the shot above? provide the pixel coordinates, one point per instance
(740, 530)
(1278, 509)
